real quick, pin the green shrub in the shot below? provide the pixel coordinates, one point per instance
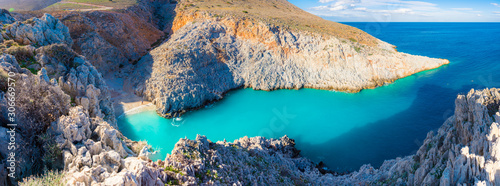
(23, 54)
(52, 156)
(173, 169)
(353, 40)
(357, 49)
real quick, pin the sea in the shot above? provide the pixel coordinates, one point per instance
(347, 130)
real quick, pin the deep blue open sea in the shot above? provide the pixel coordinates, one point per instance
(347, 130)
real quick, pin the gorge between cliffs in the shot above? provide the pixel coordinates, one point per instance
(78, 74)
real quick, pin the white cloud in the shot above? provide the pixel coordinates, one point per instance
(397, 10)
(360, 8)
(462, 9)
(373, 8)
(338, 5)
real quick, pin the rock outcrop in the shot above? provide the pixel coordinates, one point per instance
(100, 160)
(37, 32)
(63, 96)
(113, 40)
(245, 161)
(78, 78)
(50, 78)
(463, 150)
(209, 55)
(6, 17)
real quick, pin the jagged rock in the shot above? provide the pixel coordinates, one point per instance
(38, 31)
(78, 78)
(75, 127)
(109, 137)
(209, 56)
(145, 153)
(5, 17)
(92, 162)
(463, 151)
(110, 40)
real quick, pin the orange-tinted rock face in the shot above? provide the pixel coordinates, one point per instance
(110, 39)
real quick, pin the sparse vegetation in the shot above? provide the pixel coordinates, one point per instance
(279, 13)
(49, 178)
(173, 169)
(139, 145)
(357, 49)
(172, 182)
(26, 5)
(3, 80)
(438, 172)
(114, 3)
(67, 6)
(51, 151)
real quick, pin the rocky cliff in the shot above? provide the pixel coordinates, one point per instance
(462, 151)
(213, 51)
(50, 78)
(66, 119)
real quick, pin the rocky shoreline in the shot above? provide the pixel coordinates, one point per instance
(67, 120)
(206, 56)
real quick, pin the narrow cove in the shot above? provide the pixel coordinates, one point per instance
(346, 130)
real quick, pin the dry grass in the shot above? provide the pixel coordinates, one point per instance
(26, 5)
(49, 178)
(67, 6)
(280, 13)
(117, 4)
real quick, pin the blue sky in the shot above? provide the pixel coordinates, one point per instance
(403, 10)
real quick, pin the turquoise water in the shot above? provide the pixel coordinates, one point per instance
(348, 130)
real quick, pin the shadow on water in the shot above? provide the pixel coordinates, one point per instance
(400, 135)
(125, 125)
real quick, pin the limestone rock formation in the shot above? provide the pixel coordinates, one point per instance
(245, 161)
(78, 78)
(210, 56)
(38, 32)
(99, 161)
(50, 78)
(112, 40)
(463, 150)
(5, 17)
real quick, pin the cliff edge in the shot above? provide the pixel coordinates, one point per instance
(217, 46)
(463, 151)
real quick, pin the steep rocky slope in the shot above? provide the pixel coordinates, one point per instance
(49, 79)
(111, 40)
(66, 99)
(216, 49)
(462, 151)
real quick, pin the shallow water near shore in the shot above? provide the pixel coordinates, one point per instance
(347, 130)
